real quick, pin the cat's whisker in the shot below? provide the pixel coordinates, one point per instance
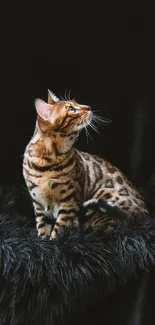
(99, 116)
(65, 97)
(99, 124)
(69, 94)
(101, 119)
(89, 135)
(93, 127)
(87, 132)
(98, 120)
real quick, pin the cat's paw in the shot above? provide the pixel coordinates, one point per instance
(53, 234)
(44, 232)
(71, 223)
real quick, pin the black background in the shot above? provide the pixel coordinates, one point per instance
(114, 74)
(118, 83)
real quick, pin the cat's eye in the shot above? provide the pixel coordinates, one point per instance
(71, 109)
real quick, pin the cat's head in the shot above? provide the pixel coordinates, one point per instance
(64, 116)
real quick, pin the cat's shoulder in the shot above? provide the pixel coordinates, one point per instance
(89, 156)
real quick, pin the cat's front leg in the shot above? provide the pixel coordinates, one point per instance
(67, 217)
(43, 228)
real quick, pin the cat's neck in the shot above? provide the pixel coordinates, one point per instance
(52, 144)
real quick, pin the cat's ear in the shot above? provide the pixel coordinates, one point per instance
(52, 98)
(42, 108)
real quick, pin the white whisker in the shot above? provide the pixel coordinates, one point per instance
(93, 127)
(66, 94)
(69, 94)
(89, 135)
(101, 119)
(99, 124)
(87, 132)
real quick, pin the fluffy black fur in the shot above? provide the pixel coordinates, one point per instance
(67, 280)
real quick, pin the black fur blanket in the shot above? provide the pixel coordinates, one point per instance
(75, 279)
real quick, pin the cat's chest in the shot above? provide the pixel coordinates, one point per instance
(47, 191)
(48, 199)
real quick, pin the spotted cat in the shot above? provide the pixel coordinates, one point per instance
(60, 178)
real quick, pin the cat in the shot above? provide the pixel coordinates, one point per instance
(61, 178)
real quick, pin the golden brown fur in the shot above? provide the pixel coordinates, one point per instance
(60, 178)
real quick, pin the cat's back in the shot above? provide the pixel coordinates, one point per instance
(96, 163)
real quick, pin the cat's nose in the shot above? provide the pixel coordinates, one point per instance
(88, 108)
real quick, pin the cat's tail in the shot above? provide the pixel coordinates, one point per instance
(100, 205)
(98, 213)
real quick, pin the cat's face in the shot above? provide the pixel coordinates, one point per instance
(62, 116)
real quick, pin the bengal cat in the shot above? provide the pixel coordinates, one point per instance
(60, 178)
